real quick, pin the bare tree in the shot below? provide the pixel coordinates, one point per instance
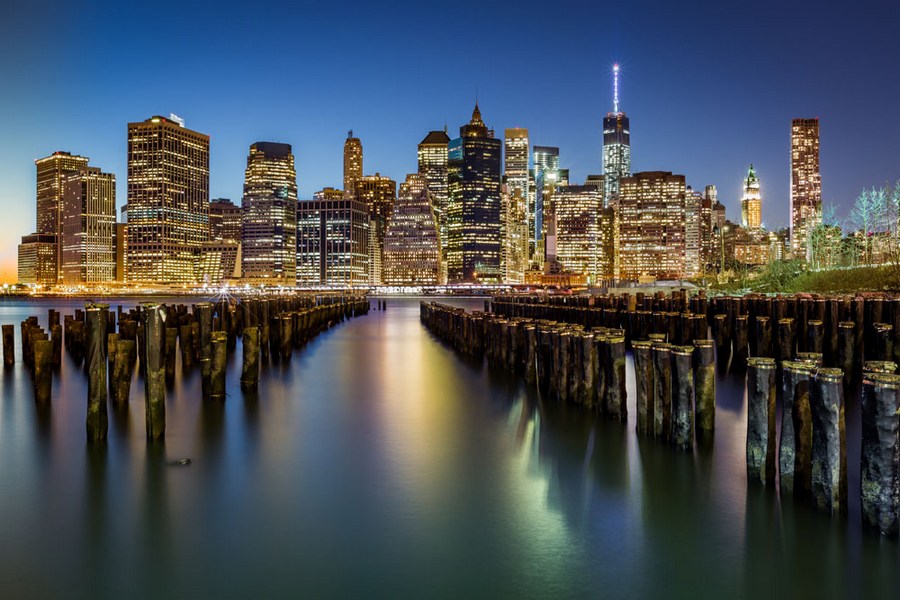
(868, 216)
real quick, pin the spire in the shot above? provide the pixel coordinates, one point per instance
(616, 88)
(350, 134)
(476, 116)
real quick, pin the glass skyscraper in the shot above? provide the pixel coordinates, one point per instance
(616, 144)
(806, 183)
(269, 215)
(473, 215)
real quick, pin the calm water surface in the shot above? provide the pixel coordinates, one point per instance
(379, 464)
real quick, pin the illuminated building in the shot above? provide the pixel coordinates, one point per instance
(412, 245)
(120, 243)
(168, 200)
(37, 259)
(353, 163)
(515, 172)
(88, 227)
(50, 172)
(378, 194)
(432, 155)
(328, 193)
(332, 242)
(751, 202)
(616, 144)
(515, 235)
(473, 215)
(225, 221)
(651, 225)
(219, 260)
(546, 175)
(693, 203)
(579, 243)
(806, 184)
(269, 207)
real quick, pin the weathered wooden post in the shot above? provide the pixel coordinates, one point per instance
(741, 344)
(683, 397)
(218, 362)
(171, 341)
(763, 336)
(829, 458)
(204, 316)
(662, 390)
(96, 422)
(644, 386)
(785, 340)
(847, 350)
(880, 366)
(9, 345)
(616, 406)
(882, 342)
(761, 420)
(722, 339)
(879, 483)
(815, 336)
(187, 346)
(796, 428)
(42, 374)
(122, 369)
(112, 341)
(705, 385)
(250, 370)
(586, 370)
(155, 372)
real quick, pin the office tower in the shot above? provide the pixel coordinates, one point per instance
(220, 260)
(328, 193)
(751, 202)
(332, 242)
(616, 143)
(50, 172)
(225, 221)
(432, 154)
(806, 183)
(412, 245)
(120, 244)
(168, 200)
(88, 227)
(515, 232)
(473, 215)
(651, 224)
(693, 207)
(353, 163)
(37, 256)
(269, 223)
(578, 238)
(378, 194)
(515, 172)
(546, 174)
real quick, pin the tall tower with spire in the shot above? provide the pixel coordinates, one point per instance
(616, 145)
(751, 202)
(474, 228)
(353, 164)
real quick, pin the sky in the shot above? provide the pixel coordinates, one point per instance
(709, 86)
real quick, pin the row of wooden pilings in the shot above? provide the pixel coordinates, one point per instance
(847, 331)
(148, 337)
(675, 384)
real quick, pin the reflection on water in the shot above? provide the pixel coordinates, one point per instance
(377, 463)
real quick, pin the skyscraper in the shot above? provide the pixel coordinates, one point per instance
(87, 241)
(473, 215)
(50, 172)
(378, 194)
(224, 221)
(412, 248)
(168, 200)
(579, 243)
(269, 222)
(651, 224)
(432, 156)
(515, 172)
(693, 222)
(353, 163)
(332, 241)
(751, 202)
(546, 178)
(616, 143)
(806, 184)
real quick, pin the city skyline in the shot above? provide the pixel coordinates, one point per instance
(709, 125)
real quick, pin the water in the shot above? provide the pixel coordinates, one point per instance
(379, 464)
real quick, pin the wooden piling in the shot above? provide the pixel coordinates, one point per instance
(879, 483)
(96, 422)
(829, 454)
(761, 421)
(155, 372)
(250, 367)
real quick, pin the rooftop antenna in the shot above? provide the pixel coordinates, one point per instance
(616, 88)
